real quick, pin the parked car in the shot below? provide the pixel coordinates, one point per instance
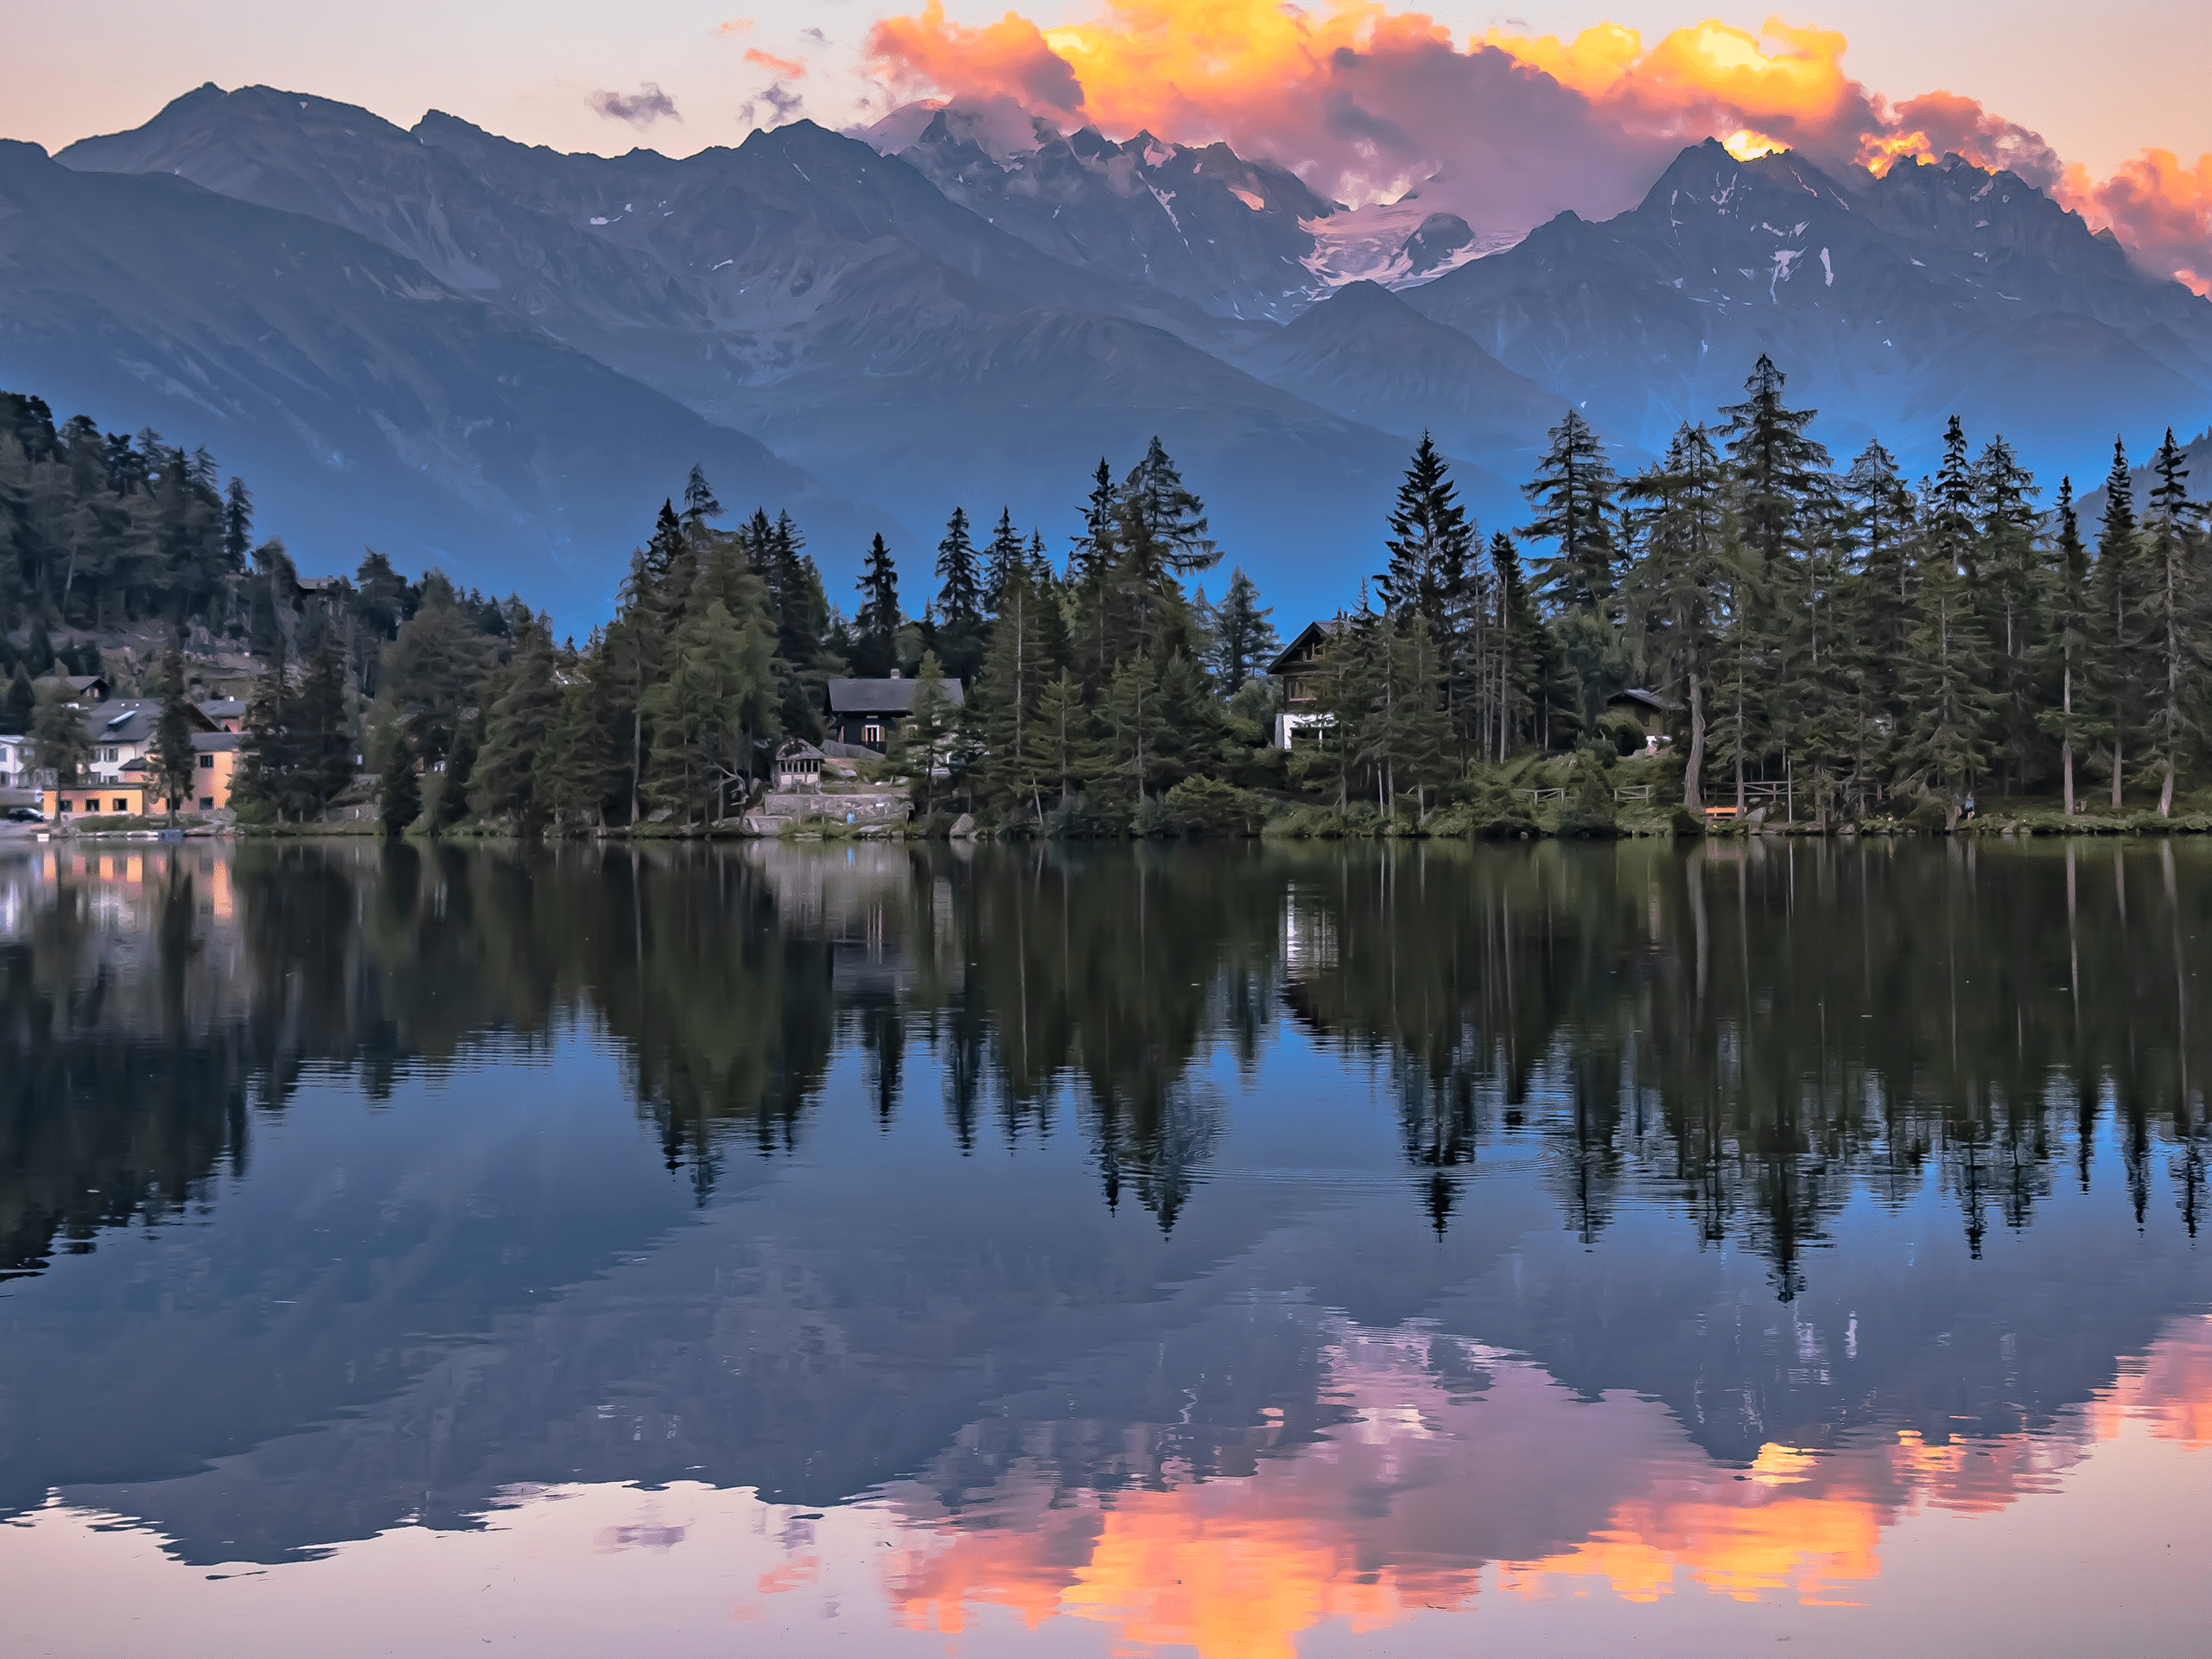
(25, 815)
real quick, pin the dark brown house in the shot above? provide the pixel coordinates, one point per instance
(1292, 670)
(865, 713)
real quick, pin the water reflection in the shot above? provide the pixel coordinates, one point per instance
(1214, 1247)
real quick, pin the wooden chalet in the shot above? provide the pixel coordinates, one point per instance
(864, 712)
(1292, 672)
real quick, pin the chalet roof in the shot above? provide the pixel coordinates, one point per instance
(217, 742)
(77, 684)
(223, 708)
(1645, 699)
(133, 721)
(798, 749)
(893, 697)
(1311, 633)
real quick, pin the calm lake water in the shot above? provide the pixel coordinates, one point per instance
(1237, 1251)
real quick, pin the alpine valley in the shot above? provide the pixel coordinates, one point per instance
(468, 353)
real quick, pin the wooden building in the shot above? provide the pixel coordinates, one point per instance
(864, 712)
(1292, 672)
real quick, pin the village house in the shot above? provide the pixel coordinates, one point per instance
(83, 688)
(1294, 671)
(225, 714)
(864, 712)
(118, 782)
(15, 761)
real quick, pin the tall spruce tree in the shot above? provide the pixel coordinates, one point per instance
(176, 762)
(1572, 492)
(875, 651)
(1679, 586)
(2174, 617)
(1781, 475)
(959, 599)
(2009, 566)
(1431, 544)
(2067, 641)
(1244, 636)
(2122, 632)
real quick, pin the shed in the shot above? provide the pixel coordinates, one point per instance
(798, 765)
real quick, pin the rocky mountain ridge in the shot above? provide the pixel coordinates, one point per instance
(966, 306)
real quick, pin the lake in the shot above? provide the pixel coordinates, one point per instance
(1233, 1249)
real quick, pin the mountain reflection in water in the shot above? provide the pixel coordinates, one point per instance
(1244, 1248)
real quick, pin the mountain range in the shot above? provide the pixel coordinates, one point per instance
(472, 352)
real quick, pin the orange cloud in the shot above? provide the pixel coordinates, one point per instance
(788, 68)
(1365, 103)
(2158, 205)
(1008, 58)
(735, 26)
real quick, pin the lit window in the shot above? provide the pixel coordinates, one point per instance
(871, 734)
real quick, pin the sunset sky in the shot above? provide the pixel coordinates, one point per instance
(679, 75)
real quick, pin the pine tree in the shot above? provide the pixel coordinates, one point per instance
(2009, 563)
(1946, 677)
(237, 525)
(524, 703)
(916, 749)
(59, 743)
(1129, 719)
(1243, 638)
(1171, 519)
(1060, 725)
(1573, 493)
(2173, 619)
(2067, 641)
(1526, 665)
(580, 769)
(714, 714)
(175, 763)
(960, 600)
(1680, 587)
(1780, 474)
(320, 748)
(2121, 603)
(699, 501)
(1092, 562)
(399, 792)
(1006, 551)
(1004, 709)
(19, 704)
(876, 648)
(1431, 544)
(267, 751)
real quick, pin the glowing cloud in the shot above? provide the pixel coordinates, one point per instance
(1367, 103)
(783, 68)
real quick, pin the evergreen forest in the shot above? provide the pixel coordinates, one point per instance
(1744, 616)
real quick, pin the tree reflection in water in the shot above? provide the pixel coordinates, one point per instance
(1755, 1029)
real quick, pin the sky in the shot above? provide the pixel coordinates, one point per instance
(1362, 96)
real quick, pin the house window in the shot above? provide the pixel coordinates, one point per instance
(871, 734)
(207, 763)
(65, 805)
(109, 755)
(122, 805)
(207, 802)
